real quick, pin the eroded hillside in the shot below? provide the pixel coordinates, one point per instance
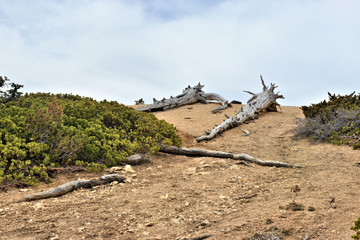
(178, 197)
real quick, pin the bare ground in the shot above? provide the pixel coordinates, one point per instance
(178, 197)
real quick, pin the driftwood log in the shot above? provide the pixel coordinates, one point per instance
(266, 100)
(190, 95)
(71, 186)
(196, 152)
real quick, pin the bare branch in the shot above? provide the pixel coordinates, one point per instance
(254, 94)
(196, 152)
(263, 83)
(71, 186)
(266, 100)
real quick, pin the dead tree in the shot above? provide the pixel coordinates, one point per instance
(196, 152)
(190, 95)
(266, 100)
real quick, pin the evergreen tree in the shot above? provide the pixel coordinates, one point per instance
(11, 90)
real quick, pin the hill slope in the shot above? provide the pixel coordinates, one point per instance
(177, 197)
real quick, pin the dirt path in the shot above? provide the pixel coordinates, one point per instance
(177, 197)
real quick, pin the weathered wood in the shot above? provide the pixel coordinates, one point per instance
(196, 152)
(190, 95)
(71, 186)
(259, 102)
(136, 159)
(251, 159)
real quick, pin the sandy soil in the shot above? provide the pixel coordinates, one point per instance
(178, 197)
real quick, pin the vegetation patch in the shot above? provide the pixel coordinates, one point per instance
(336, 121)
(42, 131)
(295, 207)
(356, 228)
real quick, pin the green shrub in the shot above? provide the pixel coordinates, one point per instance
(356, 228)
(325, 109)
(336, 121)
(42, 131)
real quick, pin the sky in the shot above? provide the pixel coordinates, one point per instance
(124, 50)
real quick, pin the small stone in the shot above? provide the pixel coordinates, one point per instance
(199, 159)
(234, 167)
(150, 224)
(116, 169)
(114, 183)
(130, 230)
(38, 206)
(222, 197)
(175, 220)
(129, 169)
(187, 204)
(218, 213)
(311, 208)
(221, 161)
(24, 190)
(204, 224)
(191, 170)
(166, 196)
(54, 237)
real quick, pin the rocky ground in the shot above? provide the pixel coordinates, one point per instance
(178, 197)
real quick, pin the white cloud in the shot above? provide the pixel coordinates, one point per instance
(121, 50)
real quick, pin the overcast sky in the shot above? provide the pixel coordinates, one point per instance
(127, 50)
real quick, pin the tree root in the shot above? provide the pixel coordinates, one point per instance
(71, 186)
(196, 152)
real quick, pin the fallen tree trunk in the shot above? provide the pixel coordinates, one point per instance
(71, 186)
(266, 100)
(190, 95)
(196, 152)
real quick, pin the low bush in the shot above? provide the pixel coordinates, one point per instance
(336, 121)
(356, 228)
(42, 131)
(325, 108)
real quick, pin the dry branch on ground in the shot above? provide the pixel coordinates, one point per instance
(196, 152)
(266, 100)
(73, 185)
